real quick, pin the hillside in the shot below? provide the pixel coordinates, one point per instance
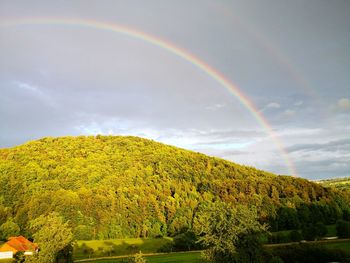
(114, 187)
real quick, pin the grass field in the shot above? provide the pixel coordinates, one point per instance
(345, 246)
(193, 257)
(181, 257)
(117, 247)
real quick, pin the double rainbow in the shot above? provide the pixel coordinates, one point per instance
(165, 45)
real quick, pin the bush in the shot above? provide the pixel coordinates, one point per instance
(346, 215)
(278, 238)
(276, 260)
(83, 232)
(310, 232)
(249, 248)
(321, 229)
(306, 253)
(343, 228)
(186, 241)
(137, 258)
(166, 248)
(295, 236)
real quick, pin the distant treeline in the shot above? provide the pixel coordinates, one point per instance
(115, 187)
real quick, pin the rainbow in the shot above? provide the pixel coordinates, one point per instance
(272, 49)
(179, 52)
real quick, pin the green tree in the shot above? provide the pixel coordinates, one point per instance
(19, 257)
(295, 236)
(343, 228)
(249, 248)
(314, 231)
(321, 229)
(346, 215)
(309, 232)
(221, 228)
(137, 258)
(9, 228)
(186, 241)
(83, 232)
(52, 234)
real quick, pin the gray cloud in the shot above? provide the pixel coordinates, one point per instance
(341, 146)
(60, 80)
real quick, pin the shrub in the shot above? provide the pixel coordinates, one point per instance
(343, 228)
(295, 236)
(306, 253)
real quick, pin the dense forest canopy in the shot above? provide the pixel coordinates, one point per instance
(115, 186)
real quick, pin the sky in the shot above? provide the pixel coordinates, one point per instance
(289, 59)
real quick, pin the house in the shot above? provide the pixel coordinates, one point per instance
(16, 244)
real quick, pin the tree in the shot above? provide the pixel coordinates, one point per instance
(321, 229)
(9, 228)
(309, 232)
(314, 231)
(343, 228)
(249, 248)
(137, 258)
(186, 241)
(83, 232)
(222, 228)
(295, 236)
(346, 214)
(52, 234)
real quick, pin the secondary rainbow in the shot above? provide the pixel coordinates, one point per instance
(198, 63)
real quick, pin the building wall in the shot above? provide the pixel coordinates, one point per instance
(7, 254)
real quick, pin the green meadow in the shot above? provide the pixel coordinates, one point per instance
(117, 247)
(342, 245)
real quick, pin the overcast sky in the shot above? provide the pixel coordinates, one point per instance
(290, 58)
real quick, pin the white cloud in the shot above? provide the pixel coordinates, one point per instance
(299, 132)
(26, 86)
(37, 92)
(298, 103)
(289, 113)
(215, 106)
(273, 105)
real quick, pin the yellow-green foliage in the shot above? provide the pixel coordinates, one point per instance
(116, 187)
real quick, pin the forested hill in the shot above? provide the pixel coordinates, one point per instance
(110, 187)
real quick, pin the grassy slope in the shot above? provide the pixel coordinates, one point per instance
(118, 247)
(345, 246)
(176, 257)
(194, 257)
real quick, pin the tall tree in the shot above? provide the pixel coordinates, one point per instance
(52, 234)
(9, 228)
(222, 228)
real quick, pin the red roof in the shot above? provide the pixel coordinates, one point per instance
(21, 244)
